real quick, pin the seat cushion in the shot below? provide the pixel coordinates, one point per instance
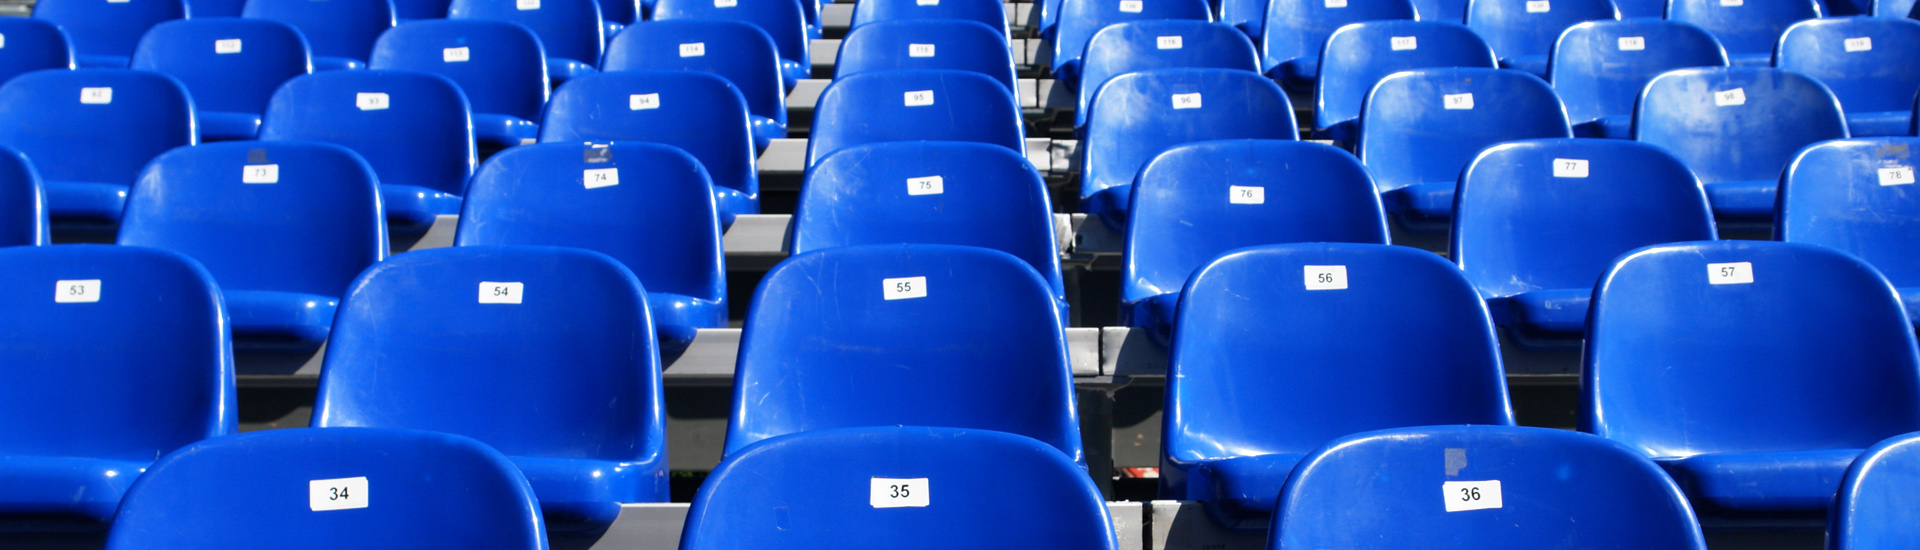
(282, 321)
(1424, 201)
(730, 202)
(1762, 59)
(1156, 315)
(227, 126)
(1111, 205)
(1240, 493)
(98, 61)
(561, 69)
(1742, 199)
(1788, 482)
(504, 131)
(677, 318)
(85, 201)
(1880, 123)
(1612, 127)
(765, 130)
(583, 491)
(329, 63)
(1557, 313)
(1298, 73)
(86, 487)
(411, 209)
(1535, 64)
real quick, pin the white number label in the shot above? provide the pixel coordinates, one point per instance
(693, 49)
(1898, 175)
(919, 50)
(1326, 277)
(1538, 6)
(930, 185)
(1462, 496)
(1131, 6)
(1168, 42)
(1404, 43)
(1246, 194)
(1732, 3)
(920, 98)
(1457, 102)
(3, 41)
(1860, 44)
(1569, 168)
(337, 494)
(1736, 96)
(902, 288)
(372, 101)
(1336, 4)
(725, 3)
(96, 96)
(1633, 43)
(500, 293)
(76, 291)
(260, 173)
(1186, 101)
(926, 2)
(1733, 273)
(898, 493)
(639, 102)
(230, 45)
(527, 4)
(601, 177)
(456, 55)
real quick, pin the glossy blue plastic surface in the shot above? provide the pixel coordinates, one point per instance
(88, 153)
(738, 52)
(1416, 144)
(1387, 489)
(1084, 18)
(23, 207)
(982, 349)
(1738, 151)
(96, 391)
(566, 381)
(783, 21)
(657, 217)
(1357, 56)
(1135, 118)
(1747, 29)
(230, 89)
(1295, 32)
(415, 10)
(983, 489)
(504, 74)
(1124, 48)
(1891, 8)
(1755, 396)
(698, 112)
(1875, 85)
(283, 252)
(988, 12)
(104, 33)
(340, 32)
(571, 30)
(1521, 36)
(32, 44)
(957, 45)
(1876, 498)
(1265, 369)
(252, 491)
(1832, 195)
(1599, 81)
(879, 106)
(1534, 242)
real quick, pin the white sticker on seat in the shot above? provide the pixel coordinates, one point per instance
(725, 3)
(371, 101)
(1633, 43)
(1336, 4)
(1326, 277)
(1168, 42)
(901, 288)
(1538, 6)
(930, 185)
(527, 4)
(920, 98)
(3, 41)
(500, 293)
(1399, 43)
(1457, 102)
(693, 49)
(638, 102)
(260, 173)
(1462, 496)
(96, 96)
(1727, 98)
(76, 291)
(1131, 6)
(1898, 175)
(230, 45)
(1246, 194)
(1731, 273)
(1569, 168)
(118, 1)
(898, 493)
(1186, 101)
(926, 2)
(456, 55)
(1732, 3)
(919, 50)
(600, 177)
(1860, 44)
(337, 494)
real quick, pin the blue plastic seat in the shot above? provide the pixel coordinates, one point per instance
(115, 355)
(407, 11)
(914, 105)
(553, 359)
(1264, 369)
(1137, 46)
(926, 44)
(1357, 56)
(1081, 19)
(314, 489)
(1570, 490)
(1536, 222)
(616, 15)
(31, 45)
(658, 220)
(571, 30)
(1296, 30)
(781, 19)
(413, 128)
(987, 12)
(738, 52)
(230, 65)
(1737, 128)
(1891, 8)
(1523, 32)
(89, 131)
(820, 349)
(283, 226)
(1451, 11)
(1599, 79)
(1853, 196)
(1139, 115)
(1641, 9)
(500, 66)
(23, 209)
(1276, 192)
(1420, 128)
(1876, 497)
(1753, 371)
(700, 113)
(104, 33)
(1747, 28)
(1864, 61)
(340, 33)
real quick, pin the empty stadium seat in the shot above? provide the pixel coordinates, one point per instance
(554, 363)
(1420, 128)
(89, 131)
(31, 45)
(126, 360)
(1296, 30)
(1891, 8)
(1451, 11)
(1864, 61)
(738, 52)
(1753, 372)
(570, 30)
(1570, 490)
(1139, 115)
(1137, 46)
(283, 227)
(1876, 497)
(406, 11)
(700, 113)
(1523, 32)
(313, 489)
(1747, 28)
(989, 12)
(1357, 56)
(23, 209)
(1081, 19)
(926, 44)
(1265, 368)
(1536, 222)
(1180, 222)
(1599, 68)
(820, 350)
(230, 65)
(1857, 196)
(781, 19)
(914, 105)
(660, 221)
(413, 128)
(873, 487)
(500, 66)
(1737, 128)
(104, 33)
(340, 33)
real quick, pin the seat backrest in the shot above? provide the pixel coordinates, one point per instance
(658, 220)
(1863, 60)
(1529, 27)
(1736, 123)
(1747, 346)
(1569, 488)
(1137, 116)
(1357, 56)
(94, 125)
(416, 10)
(1854, 196)
(1159, 44)
(23, 205)
(782, 20)
(1641, 9)
(131, 350)
(738, 52)
(569, 29)
(989, 12)
(1424, 126)
(1298, 29)
(624, 12)
(500, 66)
(228, 64)
(1451, 11)
(700, 113)
(926, 44)
(313, 488)
(1874, 497)
(1030, 495)
(31, 45)
(413, 128)
(1081, 19)
(556, 357)
(1896, 9)
(1744, 26)
(1599, 67)
(914, 105)
(279, 216)
(99, 27)
(819, 352)
(1554, 213)
(334, 28)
